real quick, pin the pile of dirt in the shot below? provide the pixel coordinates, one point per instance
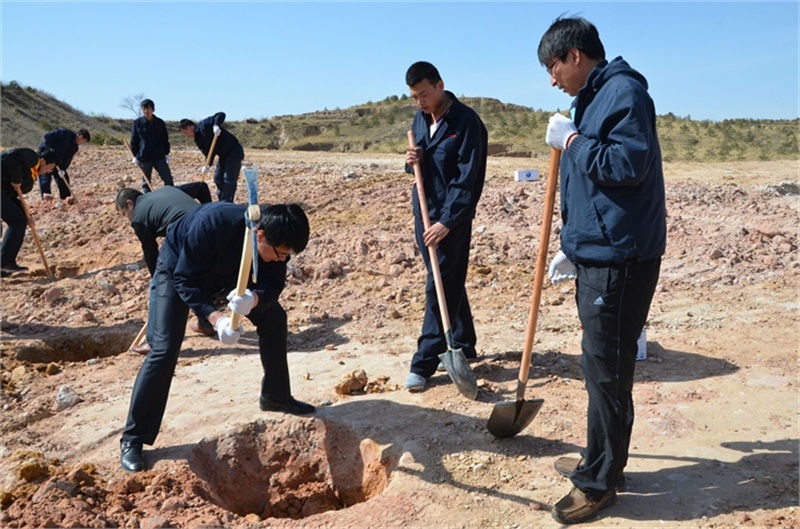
(715, 441)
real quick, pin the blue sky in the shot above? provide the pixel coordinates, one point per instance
(707, 60)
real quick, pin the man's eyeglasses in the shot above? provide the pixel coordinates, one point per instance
(553, 65)
(281, 255)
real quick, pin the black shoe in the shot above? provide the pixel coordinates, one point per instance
(291, 405)
(131, 457)
(15, 268)
(566, 466)
(5, 273)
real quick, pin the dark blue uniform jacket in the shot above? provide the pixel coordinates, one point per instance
(63, 142)
(227, 144)
(149, 139)
(203, 250)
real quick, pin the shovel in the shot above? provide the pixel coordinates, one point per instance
(453, 359)
(511, 417)
(210, 156)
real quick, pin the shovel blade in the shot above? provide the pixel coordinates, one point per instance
(511, 417)
(460, 373)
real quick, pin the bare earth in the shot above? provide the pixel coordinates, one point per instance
(716, 436)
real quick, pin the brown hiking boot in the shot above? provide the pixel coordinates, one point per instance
(575, 507)
(567, 465)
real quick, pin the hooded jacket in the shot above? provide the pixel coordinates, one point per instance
(613, 205)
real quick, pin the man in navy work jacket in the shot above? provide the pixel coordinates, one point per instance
(199, 257)
(150, 215)
(451, 149)
(64, 144)
(227, 148)
(150, 145)
(614, 232)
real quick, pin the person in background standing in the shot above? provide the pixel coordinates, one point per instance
(452, 146)
(613, 212)
(227, 148)
(65, 144)
(150, 145)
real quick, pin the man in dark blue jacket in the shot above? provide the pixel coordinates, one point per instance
(199, 257)
(150, 145)
(452, 145)
(613, 210)
(227, 148)
(65, 144)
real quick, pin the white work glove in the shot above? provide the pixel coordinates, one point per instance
(226, 333)
(135, 161)
(61, 173)
(241, 304)
(561, 269)
(559, 130)
(166, 158)
(217, 130)
(205, 169)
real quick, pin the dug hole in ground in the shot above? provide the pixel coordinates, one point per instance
(715, 443)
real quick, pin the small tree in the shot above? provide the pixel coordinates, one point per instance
(133, 103)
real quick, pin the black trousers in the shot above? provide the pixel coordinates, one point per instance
(167, 317)
(197, 190)
(14, 216)
(46, 180)
(613, 303)
(161, 167)
(226, 177)
(453, 255)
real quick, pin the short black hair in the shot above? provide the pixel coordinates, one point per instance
(148, 103)
(48, 155)
(185, 123)
(565, 34)
(85, 134)
(124, 195)
(285, 225)
(420, 71)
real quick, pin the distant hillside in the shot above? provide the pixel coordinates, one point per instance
(514, 130)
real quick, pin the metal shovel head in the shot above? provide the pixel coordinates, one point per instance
(460, 373)
(511, 417)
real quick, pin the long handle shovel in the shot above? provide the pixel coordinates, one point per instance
(253, 215)
(511, 417)
(139, 337)
(453, 359)
(33, 231)
(210, 156)
(146, 180)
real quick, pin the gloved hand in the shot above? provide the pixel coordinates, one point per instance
(166, 158)
(205, 169)
(217, 130)
(561, 269)
(61, 173)
(226, 333)
(559, 130)
(135, 161)
(241, 304)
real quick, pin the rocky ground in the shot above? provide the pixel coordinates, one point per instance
(716, 436)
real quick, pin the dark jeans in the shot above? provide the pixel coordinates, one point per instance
(166, 328)
(226, 177)
(14, 216)
(45, 184)
(453, 255)
(161, 167)
(613, 303)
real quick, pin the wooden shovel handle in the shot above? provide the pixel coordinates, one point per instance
(33, 231)
(538, 277)
(244, 271)
(210, 154)
(434, 258)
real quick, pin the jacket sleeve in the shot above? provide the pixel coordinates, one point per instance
(194, 263)
(219, 118)
(617, 155)
(166, 138)
(463, 190)
(135, 139)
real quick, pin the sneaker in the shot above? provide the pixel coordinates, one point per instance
(576, 507)
(415, 382)
(566, 466)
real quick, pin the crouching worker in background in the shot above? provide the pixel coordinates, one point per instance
(200, 255)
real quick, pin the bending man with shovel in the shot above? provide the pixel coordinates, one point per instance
(451, 149)
(200, 255)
